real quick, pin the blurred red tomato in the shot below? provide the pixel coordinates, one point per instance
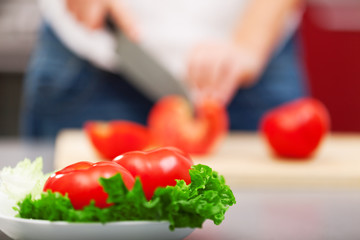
(172, 123)
(295, 129)
(157, 168)
(81, 182)
(116, 137)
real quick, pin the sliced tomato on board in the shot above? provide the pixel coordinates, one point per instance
(113, 138)
(172, 123)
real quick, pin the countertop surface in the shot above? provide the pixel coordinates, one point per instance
(246, 161)
(260, 213)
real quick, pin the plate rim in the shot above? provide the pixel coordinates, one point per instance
(42, 221)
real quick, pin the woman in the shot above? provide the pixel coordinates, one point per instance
(241, 53)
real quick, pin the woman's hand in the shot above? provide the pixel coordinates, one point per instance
(218, 70)
(92, 14)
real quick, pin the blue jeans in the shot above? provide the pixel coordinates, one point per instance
(63, 91)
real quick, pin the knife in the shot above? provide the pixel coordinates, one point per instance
(145, 73)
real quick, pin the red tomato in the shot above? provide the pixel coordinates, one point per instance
(81, 182)
(157, 168)
(295, 129)
(172, 123)
(116, 137)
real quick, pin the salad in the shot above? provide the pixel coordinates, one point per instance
(111, 192)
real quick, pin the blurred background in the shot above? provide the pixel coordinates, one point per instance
(19, 21)
(330, 33)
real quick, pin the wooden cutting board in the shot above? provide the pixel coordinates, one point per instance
(245, 161)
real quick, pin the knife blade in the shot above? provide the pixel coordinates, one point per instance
(145, 72)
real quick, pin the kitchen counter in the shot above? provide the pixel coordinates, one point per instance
(288, 212)
(245, 161)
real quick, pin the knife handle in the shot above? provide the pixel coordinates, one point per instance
(110, 25)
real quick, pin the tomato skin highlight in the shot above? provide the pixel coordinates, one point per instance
(172, 123)
(295, 129)
(81, 182)
(157, 168)
(116, 137)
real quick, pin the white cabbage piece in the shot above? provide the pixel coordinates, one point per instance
(15, 183)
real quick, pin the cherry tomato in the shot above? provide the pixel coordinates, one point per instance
(81, 182)
(117, 137)
(172, 123)
(157, 168)
(296, 129)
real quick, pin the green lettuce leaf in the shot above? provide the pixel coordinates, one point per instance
(206, 197)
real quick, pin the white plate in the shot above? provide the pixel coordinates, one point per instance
(18, 228)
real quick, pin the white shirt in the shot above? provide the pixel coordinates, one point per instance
(168, 29)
